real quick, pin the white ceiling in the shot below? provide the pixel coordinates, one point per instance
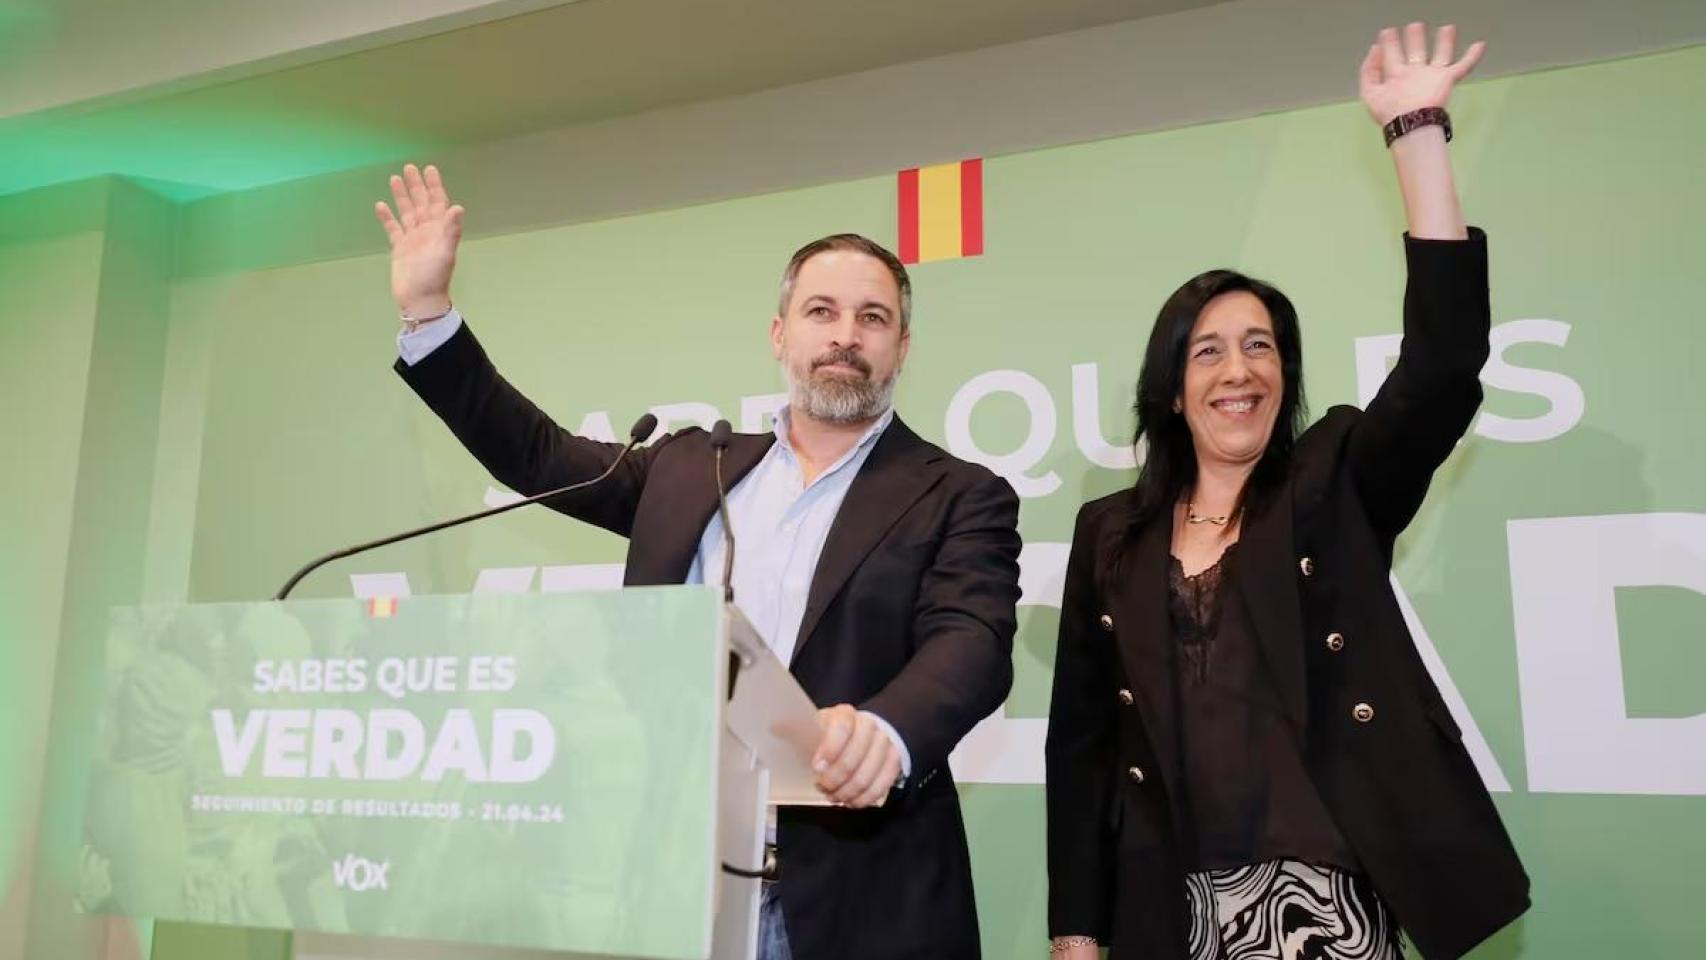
(221, 95)
(590, 58)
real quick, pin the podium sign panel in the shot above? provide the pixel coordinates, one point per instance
(533, 770)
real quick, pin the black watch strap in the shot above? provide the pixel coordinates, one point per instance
(1415, 120)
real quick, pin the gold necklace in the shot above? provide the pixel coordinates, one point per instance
(1192, 516)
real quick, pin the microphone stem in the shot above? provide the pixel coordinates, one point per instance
(319, 562)
(728, 534)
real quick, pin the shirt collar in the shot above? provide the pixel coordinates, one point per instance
(869, 437)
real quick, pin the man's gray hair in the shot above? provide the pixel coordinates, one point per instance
(857, 244)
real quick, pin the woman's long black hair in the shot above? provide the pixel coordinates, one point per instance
(1170, 464)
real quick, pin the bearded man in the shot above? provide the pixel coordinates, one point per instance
(881, 569)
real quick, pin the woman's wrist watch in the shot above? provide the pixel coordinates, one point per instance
(1415, 120)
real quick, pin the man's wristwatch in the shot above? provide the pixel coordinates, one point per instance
(411, 324)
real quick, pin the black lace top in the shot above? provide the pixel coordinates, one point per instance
(1246, 795)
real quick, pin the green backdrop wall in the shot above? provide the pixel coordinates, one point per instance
(196, 403)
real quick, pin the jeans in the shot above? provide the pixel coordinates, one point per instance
(772, 935)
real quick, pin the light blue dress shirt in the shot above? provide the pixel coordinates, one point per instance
(780, 524)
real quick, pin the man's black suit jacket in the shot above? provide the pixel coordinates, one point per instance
(910, 615)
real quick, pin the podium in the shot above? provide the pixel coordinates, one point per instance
(469, 776)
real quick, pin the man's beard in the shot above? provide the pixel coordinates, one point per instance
(834, 397)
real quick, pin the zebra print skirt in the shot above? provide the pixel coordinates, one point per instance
(1288, 910)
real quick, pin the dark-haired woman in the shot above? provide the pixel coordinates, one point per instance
(1246, 756)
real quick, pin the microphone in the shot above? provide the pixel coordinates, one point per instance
(642, 429)
(721, 433)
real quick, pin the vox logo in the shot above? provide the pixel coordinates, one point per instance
(360, 874)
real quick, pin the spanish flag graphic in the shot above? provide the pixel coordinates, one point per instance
(941, 211)
(381, 607)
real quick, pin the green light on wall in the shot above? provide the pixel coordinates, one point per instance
(193, 146)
